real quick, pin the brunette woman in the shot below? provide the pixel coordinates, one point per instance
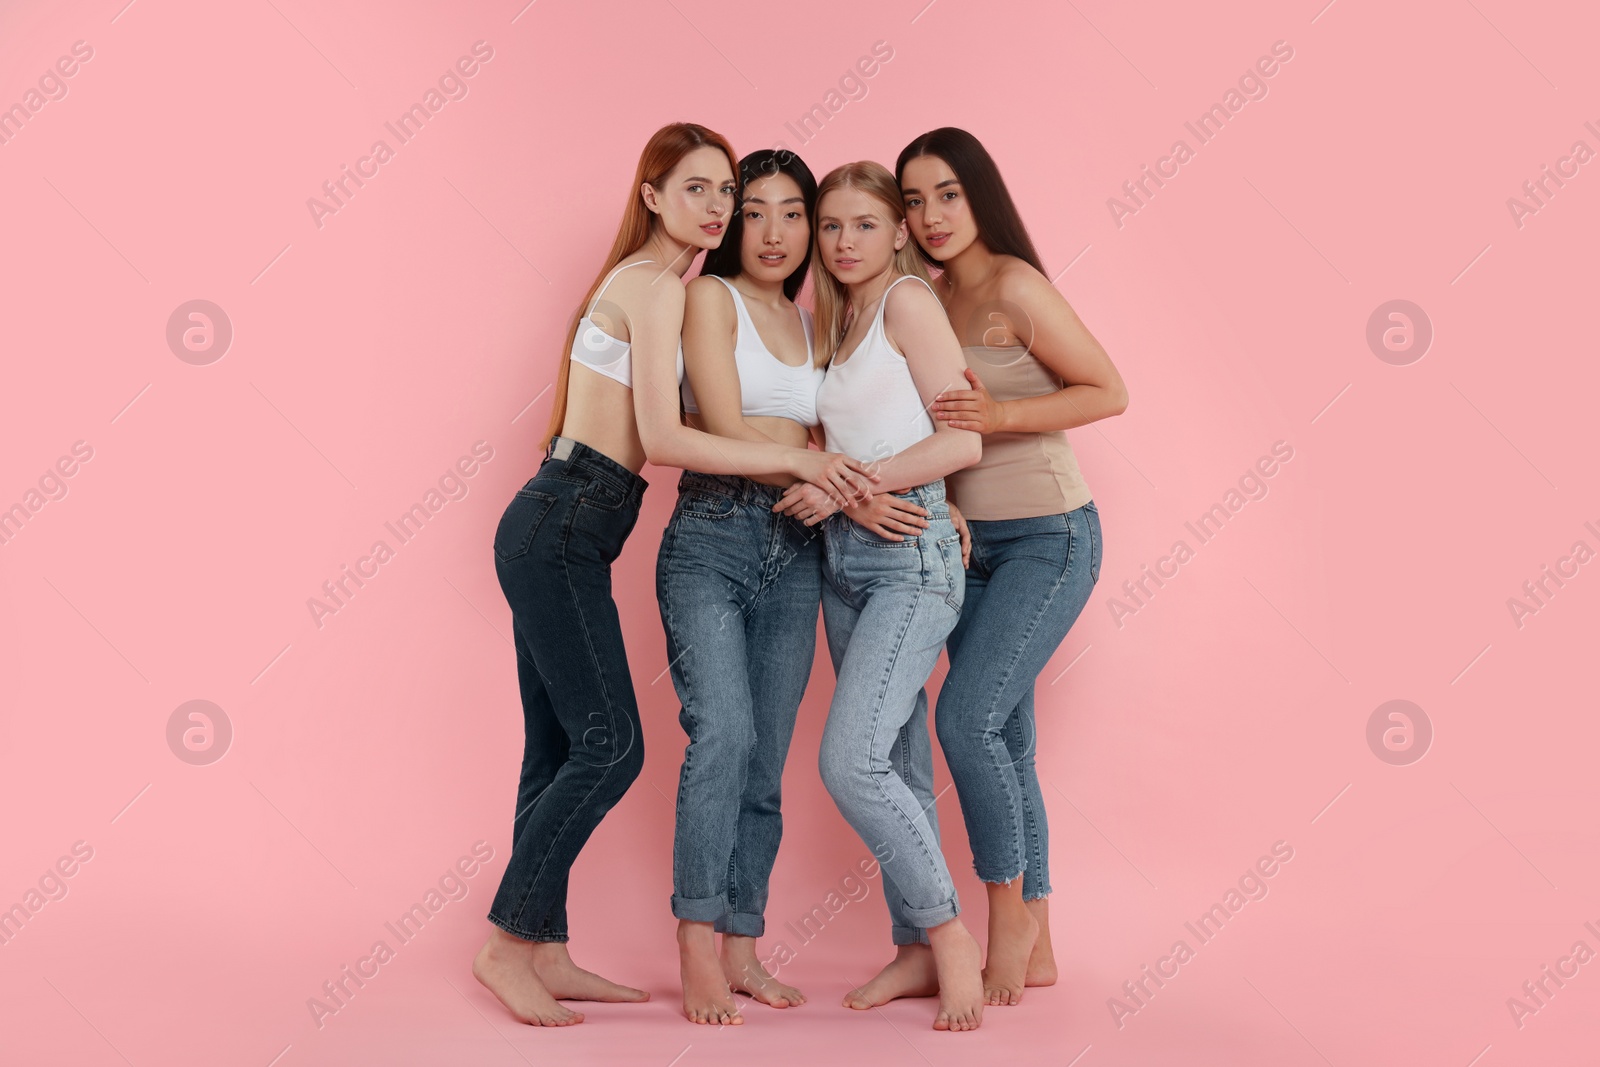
(1034, 371)
(616, 406)
(889, 601)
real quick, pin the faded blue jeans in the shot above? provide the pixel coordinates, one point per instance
(888, 607)
(738, 586)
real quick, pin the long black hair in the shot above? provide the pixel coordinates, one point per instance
(999, 225)
(725, 259)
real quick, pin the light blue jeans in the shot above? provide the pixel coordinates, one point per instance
(887, 607)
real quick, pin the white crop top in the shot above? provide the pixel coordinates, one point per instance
(768, 385)
(601, 352)
(869, 404)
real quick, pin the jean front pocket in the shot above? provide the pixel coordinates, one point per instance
(602, 493)
(705, 504)
(866, 537)
(520, 522)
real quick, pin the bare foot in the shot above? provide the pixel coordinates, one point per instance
(706, 996)
(1012, 933)
(744, 972)
(956, 958)
(910, 974)
(567, 981)
(1042, 961)
(504, 965)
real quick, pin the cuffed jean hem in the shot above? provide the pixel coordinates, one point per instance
(937, 915)
(548, 935)
(741, 924)
(699, 909)
(908, 935)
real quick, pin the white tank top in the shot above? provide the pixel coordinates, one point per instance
(869, 404)
(768, 385)
(601, 352)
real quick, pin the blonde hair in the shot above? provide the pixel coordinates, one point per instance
(831, 296)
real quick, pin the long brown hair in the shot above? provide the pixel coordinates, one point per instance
(664, 151)
(831, 295)
(999, 224)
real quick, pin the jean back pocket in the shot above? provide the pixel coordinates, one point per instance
(520, 522)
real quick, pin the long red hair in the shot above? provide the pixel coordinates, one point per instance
(664, 151)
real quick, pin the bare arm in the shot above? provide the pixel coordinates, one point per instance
(1058, 338)
(655, 312)
(915, 323)
(710, 327)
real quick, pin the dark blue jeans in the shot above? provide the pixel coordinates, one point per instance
(583, 747)
(739, 586)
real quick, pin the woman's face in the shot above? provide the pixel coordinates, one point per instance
(937, 208)
(776, 230)
(693, 201)
(856, 238)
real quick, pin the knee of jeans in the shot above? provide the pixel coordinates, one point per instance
(843, 772)
(722, 737)
(621, 757)
(956, 735)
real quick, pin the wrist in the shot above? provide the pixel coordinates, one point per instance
(1007, 415)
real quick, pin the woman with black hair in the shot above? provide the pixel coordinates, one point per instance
(1033, 370)
(739, 584)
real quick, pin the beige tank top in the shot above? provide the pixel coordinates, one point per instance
(1021, 475)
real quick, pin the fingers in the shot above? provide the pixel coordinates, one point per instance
(859, 482)
(863, 468)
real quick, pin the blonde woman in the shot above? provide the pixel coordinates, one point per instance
(889, 599)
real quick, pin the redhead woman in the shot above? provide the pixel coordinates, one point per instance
(1034, 371)
(890, 600)
(616, 406)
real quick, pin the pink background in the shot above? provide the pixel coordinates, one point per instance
(369, 354)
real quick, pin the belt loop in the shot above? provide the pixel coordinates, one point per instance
(561, 447)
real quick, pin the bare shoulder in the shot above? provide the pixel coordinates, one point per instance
(648, 288)
(709, 305)
(910, 302)
(1018, 283)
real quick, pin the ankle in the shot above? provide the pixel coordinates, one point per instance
(696, 937)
